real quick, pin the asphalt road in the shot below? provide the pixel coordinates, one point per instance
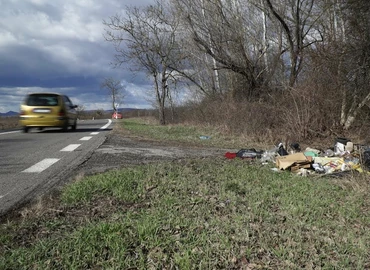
(35, 162)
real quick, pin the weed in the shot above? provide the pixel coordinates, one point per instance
(200, 215)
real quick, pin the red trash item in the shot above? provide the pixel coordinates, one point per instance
(230, 155)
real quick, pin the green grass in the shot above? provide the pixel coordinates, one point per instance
(196, 214)
(187, 134)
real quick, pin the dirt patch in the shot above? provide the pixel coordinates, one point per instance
(120, 150)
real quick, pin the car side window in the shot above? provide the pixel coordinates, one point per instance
(67, 101)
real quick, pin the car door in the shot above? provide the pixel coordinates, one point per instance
(70, 109)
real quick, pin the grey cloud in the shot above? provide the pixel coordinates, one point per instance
(41, 50)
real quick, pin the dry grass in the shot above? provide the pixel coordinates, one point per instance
(9, 122)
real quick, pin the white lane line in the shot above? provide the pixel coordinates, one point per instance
(106, 125)
(85, 138)
(94, 133)
(70, 148)
(42, 165)
(9, 132)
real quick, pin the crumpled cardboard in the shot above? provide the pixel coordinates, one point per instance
(293, 162)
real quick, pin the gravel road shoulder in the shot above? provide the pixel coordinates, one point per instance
(120, 150)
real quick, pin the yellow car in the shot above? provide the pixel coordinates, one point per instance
(40, 110)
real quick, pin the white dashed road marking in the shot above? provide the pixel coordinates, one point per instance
(70, 148)
(46, 163)
(42, 165)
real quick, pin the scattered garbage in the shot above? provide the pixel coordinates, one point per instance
(204, 137)
(342, 144)
(295, 147)
(366, 158)
(313, 150)
(269, 155)
(245, 154)
(249, 153)
(293, 162)
(311, 154)
(230, 155)
(329, 153)
(281, 150)
(343, 157)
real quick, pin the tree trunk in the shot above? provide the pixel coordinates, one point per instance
(353, 112)
(159, 100)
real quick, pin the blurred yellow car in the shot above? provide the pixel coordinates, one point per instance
(40, 110)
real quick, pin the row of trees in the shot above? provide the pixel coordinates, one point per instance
(250, 50)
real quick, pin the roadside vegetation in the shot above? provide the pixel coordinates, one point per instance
(9, 122)
(301, 66)
(206, 213)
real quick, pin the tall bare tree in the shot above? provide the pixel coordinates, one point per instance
(345, 56)
(115, 90)
(146, 39)
(356, 93)
(299, 21)
(80, 110)
(226, 31)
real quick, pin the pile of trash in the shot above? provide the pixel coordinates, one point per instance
(344, 156)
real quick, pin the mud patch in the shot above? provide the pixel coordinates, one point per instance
(119, 151)
(146, 152)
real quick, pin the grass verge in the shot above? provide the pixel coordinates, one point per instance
(187, 134)
(196, 214)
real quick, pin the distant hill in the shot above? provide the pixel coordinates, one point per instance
(122, 110)
(7, 114)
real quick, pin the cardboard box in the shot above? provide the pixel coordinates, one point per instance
(293, 162)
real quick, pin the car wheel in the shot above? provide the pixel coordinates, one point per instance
(25, 129)
(74, 126)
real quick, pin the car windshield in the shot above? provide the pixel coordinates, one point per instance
(42, 100)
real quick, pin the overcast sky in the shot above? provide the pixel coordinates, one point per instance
(58, 46)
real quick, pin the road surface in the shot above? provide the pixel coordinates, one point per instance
(35, 162)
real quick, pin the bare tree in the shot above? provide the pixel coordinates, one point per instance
(356, 66)
(345, 56)
(299, 20)
(239, 48)
(115, 90)
(146, 39)
(80, 110)
(226, 31)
